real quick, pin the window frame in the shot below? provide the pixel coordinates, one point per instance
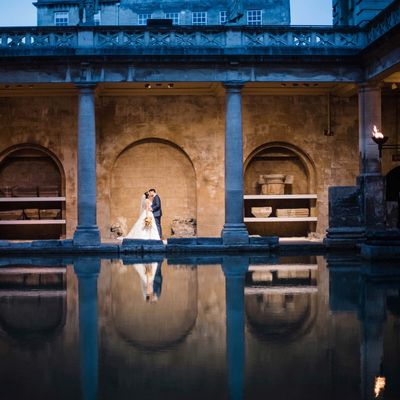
(200, 15)
(142, 19)
(57, 17)
(223, 17)
(251, 17)
(175, 21)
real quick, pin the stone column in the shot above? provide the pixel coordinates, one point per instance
(87, 272)
(371, 181)
(87, 232)
(235, 231)
(369, 114)
(235, 269)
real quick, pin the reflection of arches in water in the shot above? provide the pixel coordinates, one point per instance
(153, 163)
(32, 304)
(159, 325)
(32, 319)
(280, 317)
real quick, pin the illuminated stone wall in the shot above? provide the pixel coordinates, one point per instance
(176, 143)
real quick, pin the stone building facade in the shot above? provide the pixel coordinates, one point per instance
(357, 12)
(135, 12)
(100, 114)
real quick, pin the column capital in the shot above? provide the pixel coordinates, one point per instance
(86, 87)
(233, 86)
(369, 86)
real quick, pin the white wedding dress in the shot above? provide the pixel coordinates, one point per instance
(139, 231)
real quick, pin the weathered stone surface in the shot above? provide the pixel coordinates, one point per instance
(392, 214)
(183, 227)
(345, 207)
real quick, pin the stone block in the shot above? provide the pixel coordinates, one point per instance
(392, 214)
(345, 207)
(183, 227)
(46, 243)
(182, 241)
(141, 242)
(209, 241)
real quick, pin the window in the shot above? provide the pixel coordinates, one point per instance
(97, 18)
(254, 17)
(199, 18)
(222, 17)
(174, 16)
(61, 18)
(142, 18)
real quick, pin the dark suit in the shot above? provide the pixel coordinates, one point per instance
(157, 212)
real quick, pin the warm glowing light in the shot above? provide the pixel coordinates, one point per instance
(376, 133)
(380, 382)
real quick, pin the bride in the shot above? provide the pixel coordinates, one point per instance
(145, 227)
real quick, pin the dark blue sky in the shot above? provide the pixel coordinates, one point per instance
(304, 12)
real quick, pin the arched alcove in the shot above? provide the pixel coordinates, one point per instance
(153, 325)
(280, 317)
(158, 164)
(29, 173)
(298, 170)
(393, 185)
(393, 198)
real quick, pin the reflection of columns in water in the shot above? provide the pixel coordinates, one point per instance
(373, 314)
(87, 272)
(235, 269)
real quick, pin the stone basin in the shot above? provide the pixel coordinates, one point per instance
(261, 212)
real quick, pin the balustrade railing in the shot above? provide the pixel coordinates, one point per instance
(193, 37)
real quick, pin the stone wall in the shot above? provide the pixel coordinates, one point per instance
(48, 122)
(299, 122)
(184, 159)
(176, 143)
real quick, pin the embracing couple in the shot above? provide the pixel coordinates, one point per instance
(148, 225)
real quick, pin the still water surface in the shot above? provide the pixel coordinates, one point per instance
(199, 328)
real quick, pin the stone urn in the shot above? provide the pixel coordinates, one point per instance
(261, 212)
(272, 184)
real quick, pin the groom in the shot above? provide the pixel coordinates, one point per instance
(156, 208)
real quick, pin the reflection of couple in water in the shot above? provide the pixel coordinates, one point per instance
(151, 280)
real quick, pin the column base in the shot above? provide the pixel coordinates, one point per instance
(87, 236)
(235, 234)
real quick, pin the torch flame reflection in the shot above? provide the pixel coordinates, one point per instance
(380, 382)
(376, 133)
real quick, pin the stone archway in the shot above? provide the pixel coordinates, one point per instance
(31, 171)
(393, 197)
(283, 159)
(153, 163)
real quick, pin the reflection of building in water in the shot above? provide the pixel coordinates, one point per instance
(373, 295)
(280, 300)
(157, 325)
(32, 302)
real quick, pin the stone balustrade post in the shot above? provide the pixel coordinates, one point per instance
(234, 231)
(87, 271)
(87, 232)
